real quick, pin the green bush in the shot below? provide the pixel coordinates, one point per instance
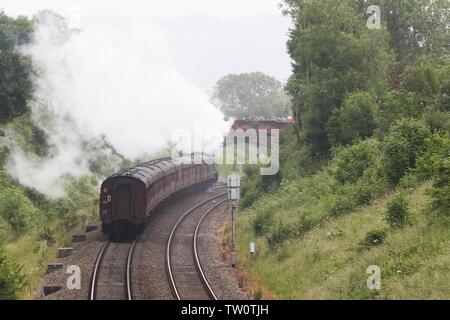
(254, 185)
(37, 198)
(436, 120)
(354, 120)
(437, 149)
(402, 146)
(47, 235)
(280, 234)
(352, 161)
(262, 222)
(398, 211)
(16, 209)
(422, 77)
(249, 193)
(441, 190)
(373, 238)
(400, 104)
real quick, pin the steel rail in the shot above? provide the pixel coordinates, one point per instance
(172, 283)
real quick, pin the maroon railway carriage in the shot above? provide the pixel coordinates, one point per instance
(128, 197)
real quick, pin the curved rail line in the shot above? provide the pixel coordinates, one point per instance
(198, 265)
(170, 275)
(97, 267)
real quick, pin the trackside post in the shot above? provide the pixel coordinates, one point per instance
(233, 184)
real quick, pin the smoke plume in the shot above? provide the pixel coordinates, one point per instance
(113, 77)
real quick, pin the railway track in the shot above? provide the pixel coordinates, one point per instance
(111, 278)
(187, 279)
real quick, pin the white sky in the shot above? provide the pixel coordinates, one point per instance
(152, 8)
(207, 38)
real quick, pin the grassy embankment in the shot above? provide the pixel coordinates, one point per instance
(32, 225)
(374, 203)
(330, 262)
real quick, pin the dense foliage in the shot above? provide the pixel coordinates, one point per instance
(398, 211)
(342, 69)
(15, 81)
(12, 279)
(373, 127)
(31, 223)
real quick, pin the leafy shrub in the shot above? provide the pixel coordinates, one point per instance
(422, 77)
(363, 194)
(65, 210)
(5, 230)
(400, 104)
(261, 222)
(398, 211)
(254, 185)
(38, 198)
(281, 233)
(373, 238)
(410, 181)
(47, 235)
(438, 148)
(436, 120)
(16, 209)
(12, 280)
(441, 190)
(402, 146)
(354, 120)
(80, 190)
(352, 161)
(28, 135)
(396, 159)
(249, 193)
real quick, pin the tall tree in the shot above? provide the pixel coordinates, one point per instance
(15, 69)
(415, 26)
(251, 95)
(334, 53)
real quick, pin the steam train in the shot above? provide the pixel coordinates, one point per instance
(127, 198)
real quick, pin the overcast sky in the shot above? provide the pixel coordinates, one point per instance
(206, 38)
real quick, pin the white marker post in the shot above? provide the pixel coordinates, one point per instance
(233, 183)
(252, 249)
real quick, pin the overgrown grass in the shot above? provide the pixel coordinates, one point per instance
(32, 226)
(328, 262)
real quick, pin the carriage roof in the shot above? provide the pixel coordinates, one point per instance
(150, 171)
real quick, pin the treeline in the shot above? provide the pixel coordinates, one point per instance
(350, 80)
(351, 83)
(32, 224)
(372, 109)
(15, 77)
(365, 171)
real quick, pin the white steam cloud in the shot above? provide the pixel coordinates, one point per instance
(114, 77)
